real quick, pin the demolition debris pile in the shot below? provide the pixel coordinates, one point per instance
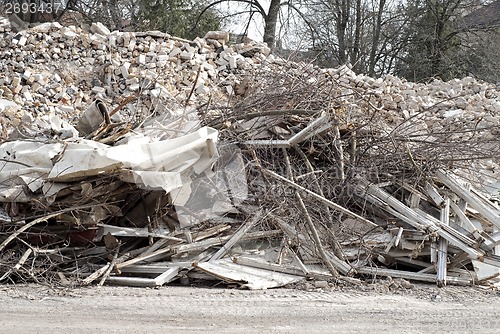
(143, 159)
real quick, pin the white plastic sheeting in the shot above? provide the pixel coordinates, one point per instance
(164, 164)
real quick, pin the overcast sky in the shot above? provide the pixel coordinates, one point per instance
(239, 23)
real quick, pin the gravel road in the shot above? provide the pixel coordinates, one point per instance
(38, 309)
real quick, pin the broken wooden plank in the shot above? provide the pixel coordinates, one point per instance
(317, 126)
(96, 274)
(236, 237)
(195, 246)
(342, 266)
(156, 267)
(466, 223)
(111, 265)
(398, 237)
(119, 231)
(448, 229)
(412, 217)
(434, 194)
(431, 223)
(207, 243)
(442, 256)
(142, 258)
(410, 275)
(410, 221)
(472, 199)
(168, 276)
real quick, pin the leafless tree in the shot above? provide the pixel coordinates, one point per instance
(270, 14)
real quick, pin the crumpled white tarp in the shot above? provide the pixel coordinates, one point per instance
(163, 164)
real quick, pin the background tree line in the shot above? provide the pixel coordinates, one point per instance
(418, 40)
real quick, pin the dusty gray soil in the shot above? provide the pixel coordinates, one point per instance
(366, 309)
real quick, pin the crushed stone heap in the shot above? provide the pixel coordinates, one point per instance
(52, 68)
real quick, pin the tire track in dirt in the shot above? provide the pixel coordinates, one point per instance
(195, 310)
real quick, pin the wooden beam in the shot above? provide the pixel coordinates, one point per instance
(434, 194)
(236, 237)
(410, 275)
(442, 257)
(430, 223)
(478, 203)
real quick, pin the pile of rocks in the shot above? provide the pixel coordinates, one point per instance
(51, 68)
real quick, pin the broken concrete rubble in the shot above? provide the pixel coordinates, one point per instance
(141, 159)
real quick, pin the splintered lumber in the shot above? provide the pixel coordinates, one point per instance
(111, 266)
(169, 275)
(466, 223)
(236, 237)
(434, 194)
(377, 202)
(155, 268)
(428, 221)
(120, 231)
(472, 199)
(341, 265)
(142, 258)
(398, 236)
(196, 246)
(98, 273)
(207, 243)
(152, 176)
(384, 197)
(448, 229)
(318, 197)
(422, 277)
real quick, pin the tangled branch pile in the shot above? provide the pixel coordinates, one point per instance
(320, 172)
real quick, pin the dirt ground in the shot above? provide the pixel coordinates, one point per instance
(370, 308)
